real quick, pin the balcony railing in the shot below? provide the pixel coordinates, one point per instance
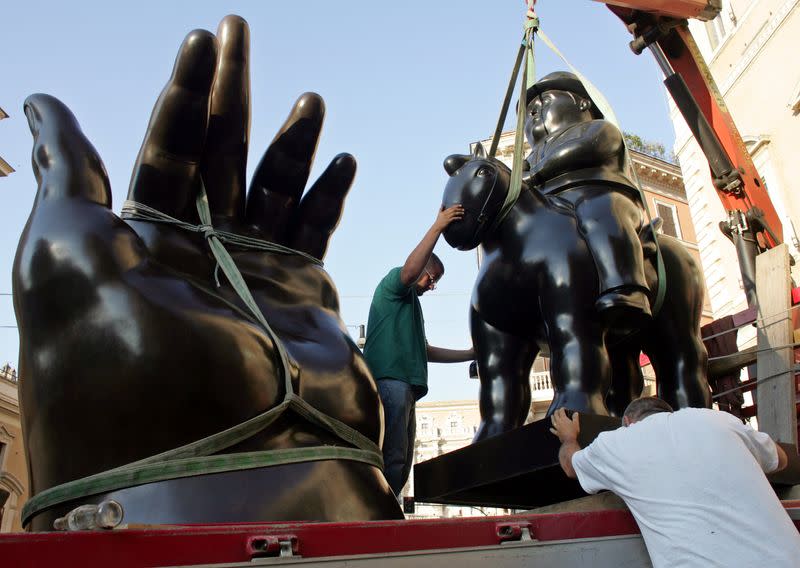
(541, 381)
(9, 373)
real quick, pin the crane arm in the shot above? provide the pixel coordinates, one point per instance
(699, 9)
(688, 79)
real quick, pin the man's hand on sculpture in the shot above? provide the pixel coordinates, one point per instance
(566, 428)
(447, 216)
(128, 345)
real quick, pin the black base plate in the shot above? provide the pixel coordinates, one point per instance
(515, 470)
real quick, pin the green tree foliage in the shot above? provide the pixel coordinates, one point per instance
(655, 149)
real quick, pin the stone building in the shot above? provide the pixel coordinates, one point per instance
(13, 470)
(441, 428)
(5, 169)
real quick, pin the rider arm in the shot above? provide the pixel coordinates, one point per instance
(442, 355)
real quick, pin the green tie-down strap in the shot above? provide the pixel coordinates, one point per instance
(197, 458)
(131, 476)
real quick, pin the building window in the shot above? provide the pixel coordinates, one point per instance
(794, 103)
(454, 423)
(540, 365)
(669, 215)
(717, 31)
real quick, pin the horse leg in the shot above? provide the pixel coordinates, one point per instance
(673, 340)
(504, 365)
(679, 360)
(579, 365)
(627, 381)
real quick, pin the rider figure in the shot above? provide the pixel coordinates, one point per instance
(579, 159)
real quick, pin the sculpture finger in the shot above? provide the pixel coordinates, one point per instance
(321, 208)
(65, 163)
(283, 171)
(165, 175)
(225, 155)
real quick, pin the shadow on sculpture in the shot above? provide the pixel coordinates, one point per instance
(134, 343)
(562, 275)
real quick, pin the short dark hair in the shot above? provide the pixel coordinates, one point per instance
(644, 407)
(435, 261)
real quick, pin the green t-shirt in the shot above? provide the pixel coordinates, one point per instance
(396, 346)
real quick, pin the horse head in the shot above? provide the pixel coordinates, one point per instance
(479, 184)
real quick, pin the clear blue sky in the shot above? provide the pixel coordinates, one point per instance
(405, 83)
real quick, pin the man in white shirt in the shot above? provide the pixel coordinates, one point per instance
(693, 480)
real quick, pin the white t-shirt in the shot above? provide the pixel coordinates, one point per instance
(694, 483)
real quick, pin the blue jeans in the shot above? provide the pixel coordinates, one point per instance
(399, 430)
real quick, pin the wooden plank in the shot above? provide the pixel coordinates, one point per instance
(603, 501)
(776, 387)
(790, 475)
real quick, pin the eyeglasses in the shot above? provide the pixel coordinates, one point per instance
(432, 279)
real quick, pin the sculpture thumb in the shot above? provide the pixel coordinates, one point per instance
(65, 163)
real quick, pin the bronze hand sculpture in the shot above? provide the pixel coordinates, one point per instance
(134, 344)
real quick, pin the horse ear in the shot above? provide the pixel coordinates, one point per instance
(479, 152)
(453, 162)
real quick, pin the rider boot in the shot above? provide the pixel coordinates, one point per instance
(610, 224)
(626, 307)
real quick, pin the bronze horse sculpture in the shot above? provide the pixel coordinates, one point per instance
(148, 380)
(535, 293)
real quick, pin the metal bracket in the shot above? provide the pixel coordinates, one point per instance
(282, 546)
(514, 532)
(730, 182)
(736, 224)
(647, 31)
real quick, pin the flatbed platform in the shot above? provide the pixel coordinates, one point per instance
(596, 538)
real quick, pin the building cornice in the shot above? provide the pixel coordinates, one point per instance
(5, 168)
(655, 163)
(8, 381)
(446, 404)
(5, 434)
(680, 197)
(10, 407)
(11, 481)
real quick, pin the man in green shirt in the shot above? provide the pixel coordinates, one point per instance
(396, 349)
